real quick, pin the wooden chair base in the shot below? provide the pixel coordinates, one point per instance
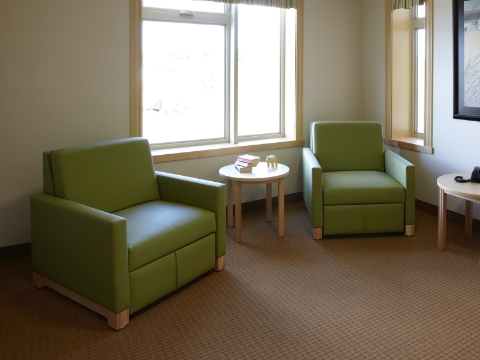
(115, 321)
(317, 233)
(409, 230)
(220, 263)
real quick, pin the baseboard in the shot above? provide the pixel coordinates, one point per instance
(22, 250)
(262, 204)
(15, 251)
(452, 216)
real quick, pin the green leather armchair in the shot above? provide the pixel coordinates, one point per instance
(114, 235)
(352, 185)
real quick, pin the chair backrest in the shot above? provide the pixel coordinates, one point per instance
(348, 145)
(108, 176)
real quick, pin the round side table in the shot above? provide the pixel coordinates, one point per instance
(261, 174)
(468, 191)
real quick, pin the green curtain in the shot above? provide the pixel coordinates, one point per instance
(285, 4)
(406, 4)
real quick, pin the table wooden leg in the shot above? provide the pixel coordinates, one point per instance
(281, 208)
(468, 219)
(442, 219)
(238, 211)
(230, 203)
(269, 202)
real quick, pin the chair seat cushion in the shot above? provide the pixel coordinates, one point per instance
(158, 228)
(361, 187)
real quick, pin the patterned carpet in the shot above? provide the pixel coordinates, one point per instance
(376, 297)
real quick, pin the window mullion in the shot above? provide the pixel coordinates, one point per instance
(283, 46)
(233, 122)
(416, 25)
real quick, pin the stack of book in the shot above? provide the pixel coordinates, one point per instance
(245, 163)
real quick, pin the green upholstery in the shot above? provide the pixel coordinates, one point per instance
(348, 145)
(109, 176)
(352, 185)
(81, 248)
(361, 187)
(112, 230)
(150, 237)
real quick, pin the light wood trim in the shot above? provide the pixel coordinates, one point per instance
(116, 321)
(388, 69)
(269, 202)
(260, 182)
(37, 280)
(220, 263)
(409, 230)
(136, 68)
(238, 211)
(428, 134)
(281, 207)
(428, 137)
(196, 152)
(442, 219)
(408, 146)
(175, 154)
(299, 71)
(229, 203)
(317, 233)
(468, 218)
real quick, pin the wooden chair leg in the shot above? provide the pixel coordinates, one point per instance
(220, 263)
(118, 321)
(37, 280)
(115, 321)
(317, 233)
(409, 230)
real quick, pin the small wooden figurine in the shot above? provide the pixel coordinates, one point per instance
(271, 160)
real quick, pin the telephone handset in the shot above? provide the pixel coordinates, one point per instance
(475, 178)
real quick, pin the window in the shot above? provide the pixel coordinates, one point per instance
(214, 75)
(418, 52)
(408, 121)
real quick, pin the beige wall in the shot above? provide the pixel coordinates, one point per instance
(64, 80)
(333, 61)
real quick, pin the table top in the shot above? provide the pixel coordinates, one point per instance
(468, 189)
(259, 173)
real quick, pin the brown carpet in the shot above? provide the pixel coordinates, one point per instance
(377, 297)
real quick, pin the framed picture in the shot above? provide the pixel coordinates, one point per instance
(466, 50)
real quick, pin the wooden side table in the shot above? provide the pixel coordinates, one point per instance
(261, 174)
(468, 191)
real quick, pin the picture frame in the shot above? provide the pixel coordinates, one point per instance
(466, 50)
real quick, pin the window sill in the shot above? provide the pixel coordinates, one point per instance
(409, 143)
(195, 152)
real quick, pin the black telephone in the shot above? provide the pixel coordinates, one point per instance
(475, 178)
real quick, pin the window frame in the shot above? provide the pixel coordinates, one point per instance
(417, 24)
(423, 144)
(176, 153)
(200, 18)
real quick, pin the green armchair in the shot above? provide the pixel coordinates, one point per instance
(114, 235)
(352, 185)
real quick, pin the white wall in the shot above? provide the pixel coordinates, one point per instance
(455, 142)
(64, 81)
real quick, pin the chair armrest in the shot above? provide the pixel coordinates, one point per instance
(208, 195)
(82, 249)
(404, 172)
(313, 187)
